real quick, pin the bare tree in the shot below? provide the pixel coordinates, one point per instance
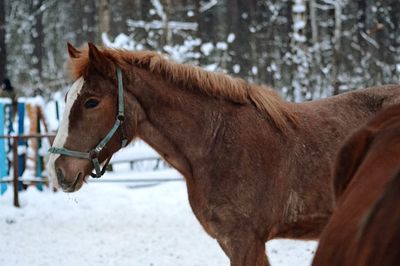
(3, 50)
(104, 17)
(37, 40)
(307, 49)
(299, 51)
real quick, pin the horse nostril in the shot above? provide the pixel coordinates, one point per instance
(60, 175)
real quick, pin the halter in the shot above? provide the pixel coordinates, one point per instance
(93, 154)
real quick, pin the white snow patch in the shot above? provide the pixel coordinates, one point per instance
(211, 67)
(299, 7)
(298, 37)
(121, 41)
(159, 9)
(254, 70)
(222, 46)
(299, 25)
(111, 224)
(185, 52)
(207, 48)
(207, 5)
(158, 24)
(231, 37)
(190, 13)
(236, 68)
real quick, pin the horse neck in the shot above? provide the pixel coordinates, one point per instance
(175, 121)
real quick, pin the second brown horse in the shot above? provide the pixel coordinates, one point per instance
(365, 226)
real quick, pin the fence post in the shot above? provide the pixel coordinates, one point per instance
(15, 168)
(3, 155)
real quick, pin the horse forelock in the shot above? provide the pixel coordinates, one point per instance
(191, 77)
(62, 132)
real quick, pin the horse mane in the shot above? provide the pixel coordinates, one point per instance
(212, 83)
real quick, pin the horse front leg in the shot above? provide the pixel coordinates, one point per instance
(245, 251)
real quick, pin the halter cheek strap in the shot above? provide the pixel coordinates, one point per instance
(93, 154)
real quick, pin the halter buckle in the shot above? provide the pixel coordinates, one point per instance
(121, 117)
(93, 154)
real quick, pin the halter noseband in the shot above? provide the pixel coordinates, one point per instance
(93, 154)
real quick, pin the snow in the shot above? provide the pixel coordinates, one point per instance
(117, 224)
(138, 219)
(182, 53)
(136, 151)
(121, 41)
(222, 46)
(298, 37)
(236, 68)
(231, 37)
(299, 25)
(207, 48)
(159, 9)
(299, 7)
(158, 24)
(208, 5)
(211, 67)
(254, 70)
(190, 13)
(124, 218)
(369, 39)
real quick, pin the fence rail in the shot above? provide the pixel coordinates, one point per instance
(16, 178)
(15, 139)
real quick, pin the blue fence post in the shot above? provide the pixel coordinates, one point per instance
(39, 163)
(3, 156)
(9, 113)
(21, 142)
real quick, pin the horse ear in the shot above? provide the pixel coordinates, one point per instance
(349, 159)
(97, 59)
(94, 53)
(72, 51)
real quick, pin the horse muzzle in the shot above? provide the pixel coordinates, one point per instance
(69, 186)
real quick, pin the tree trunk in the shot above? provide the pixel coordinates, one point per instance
(336, 48)
(3, 51)
(313, 21)
(89, 21)
(37, 40)
(299, 51)
(104, 17)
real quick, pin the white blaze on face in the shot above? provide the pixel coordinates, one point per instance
(62, 132)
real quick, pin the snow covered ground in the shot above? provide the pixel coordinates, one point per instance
(117, 224)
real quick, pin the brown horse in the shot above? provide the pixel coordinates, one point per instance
(364, 228)
(256, 167)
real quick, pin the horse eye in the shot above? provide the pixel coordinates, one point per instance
(91, 103)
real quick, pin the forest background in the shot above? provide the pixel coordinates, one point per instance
(305, 49)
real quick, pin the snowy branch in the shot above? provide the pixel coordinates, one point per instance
(159, 9)
(369, 39)
(206, 6)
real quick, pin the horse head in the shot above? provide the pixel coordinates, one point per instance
(92, 127)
